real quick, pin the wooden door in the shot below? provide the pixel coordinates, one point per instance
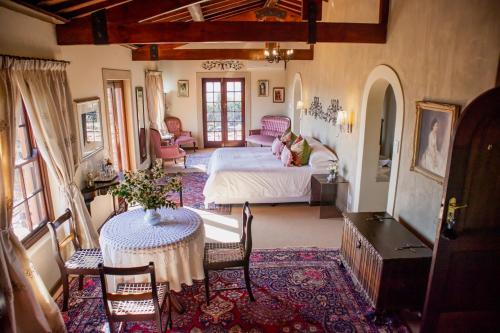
(223, 112)
(463, 293)
(118, 125)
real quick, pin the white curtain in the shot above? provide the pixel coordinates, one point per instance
(45, 92)
(30, 308)
(156, 103)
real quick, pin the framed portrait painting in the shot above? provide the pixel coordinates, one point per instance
(432, 137)
(183, 88)
(263, 88)
(279, 95)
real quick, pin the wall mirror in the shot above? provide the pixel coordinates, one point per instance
(141, 123)
(90, 126)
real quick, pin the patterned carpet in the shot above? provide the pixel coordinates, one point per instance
(296, 290)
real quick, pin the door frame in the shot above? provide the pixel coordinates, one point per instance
(366, 185)
(224, 141)
(224, 75)
(297, 114)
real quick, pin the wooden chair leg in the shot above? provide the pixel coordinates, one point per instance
(158, 323)
(185, 162)
(111, 326)
(194, 146)
(175, 161)
(246, 270)
(65, 283)
(207, 291)
(80, 282)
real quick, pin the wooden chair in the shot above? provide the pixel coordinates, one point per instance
(219, 256)
(166, 152)
(135, 301)
(82, 262)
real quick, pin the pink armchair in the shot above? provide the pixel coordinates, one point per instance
(169, 152)
(181, 137)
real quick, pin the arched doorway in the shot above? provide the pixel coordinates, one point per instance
(297, 96)
(381, 127)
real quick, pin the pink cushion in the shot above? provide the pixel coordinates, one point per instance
(184, 140)
(286, 157)
(259, 139)
(277, 147)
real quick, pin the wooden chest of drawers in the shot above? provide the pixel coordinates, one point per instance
(386, 259)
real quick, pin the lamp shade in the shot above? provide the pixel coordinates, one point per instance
(300, 105)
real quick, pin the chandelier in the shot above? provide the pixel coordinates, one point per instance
(273, 53)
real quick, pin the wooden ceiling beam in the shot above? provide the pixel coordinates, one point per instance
(165, 52)
(77, 33)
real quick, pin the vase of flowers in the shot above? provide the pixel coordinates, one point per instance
(151, 189)
(332, 169)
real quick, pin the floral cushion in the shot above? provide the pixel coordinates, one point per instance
(286, 157)
(288, 137)
(301, 150)
(277, 147)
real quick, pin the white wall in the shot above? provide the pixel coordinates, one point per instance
(186, 108)
(441, 50)
(22, 35)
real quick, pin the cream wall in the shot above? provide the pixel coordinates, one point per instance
(441, 50)
(22, 35)
(186, 108)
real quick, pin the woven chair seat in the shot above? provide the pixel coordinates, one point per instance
(137, 307)
(85, 259)
(224, 252)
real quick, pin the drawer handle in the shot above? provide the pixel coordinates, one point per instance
(358, 246)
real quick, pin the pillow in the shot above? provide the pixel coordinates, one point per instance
(321, 157)
(277, 147)
(286, 157)
(301, 150)
(288, 137)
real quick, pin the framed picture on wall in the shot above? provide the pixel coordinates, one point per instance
(183, 88)
(433, 129)
(263, 88)
(90, 126)
(279, 95)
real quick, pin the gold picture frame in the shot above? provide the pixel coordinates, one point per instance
(182, 88)
(432, 138)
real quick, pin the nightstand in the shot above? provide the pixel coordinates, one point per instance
(330, 196)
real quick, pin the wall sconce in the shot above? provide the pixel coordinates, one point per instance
(300, 107)
(346, 121)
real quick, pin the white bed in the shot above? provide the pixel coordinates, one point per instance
(254, 174)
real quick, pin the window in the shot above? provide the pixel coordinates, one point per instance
(30, 212)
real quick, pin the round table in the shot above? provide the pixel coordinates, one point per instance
(176, 247)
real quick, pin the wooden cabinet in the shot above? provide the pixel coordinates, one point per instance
(387, 260)
(330, 196)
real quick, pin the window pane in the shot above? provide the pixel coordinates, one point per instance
(210, 86)
(230, 86)
(217, 86)
(237, 86)
(18, 191)
(237, 96)
(230, 96)
(32, 180)
(19, 222)
(210, 97)
(23, 147)
(37, 209)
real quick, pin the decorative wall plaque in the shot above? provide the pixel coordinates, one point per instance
(223, 65)
(331, 114)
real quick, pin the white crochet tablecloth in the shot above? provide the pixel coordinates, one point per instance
(176, 247)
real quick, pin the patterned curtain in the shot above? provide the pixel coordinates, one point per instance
(30, 308)
(155, 99)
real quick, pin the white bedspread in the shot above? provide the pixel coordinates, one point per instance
(253, 174)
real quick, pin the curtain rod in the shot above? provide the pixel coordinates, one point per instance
(30, 58)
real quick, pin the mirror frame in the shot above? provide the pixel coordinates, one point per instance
(78, 104)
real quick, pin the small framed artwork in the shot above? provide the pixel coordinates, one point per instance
(279, 95)
(141, 123)
(90, 126)
(183, 88)
(263, 88)
(432, 137)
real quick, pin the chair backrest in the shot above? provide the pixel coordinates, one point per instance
(246, 235)
(71, 238)
(274, 125)
(131, 296)
(155, 141)
(174, 125)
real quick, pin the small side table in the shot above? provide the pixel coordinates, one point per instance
(331, 196)
(101, 188)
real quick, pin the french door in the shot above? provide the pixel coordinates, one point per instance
(117, 125)
(224, 112)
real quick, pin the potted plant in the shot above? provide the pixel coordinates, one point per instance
(151, 189)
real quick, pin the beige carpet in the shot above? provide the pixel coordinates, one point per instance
(283, 225)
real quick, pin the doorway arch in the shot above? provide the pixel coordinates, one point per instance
(367, 192)
(296, 96)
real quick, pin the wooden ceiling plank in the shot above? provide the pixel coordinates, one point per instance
(236, 13)
(184, 14)
(220, 31)
(232, 10)
(165, 52)
(229, 6)
(91, 9)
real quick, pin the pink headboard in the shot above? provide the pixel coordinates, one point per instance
(274, 125)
